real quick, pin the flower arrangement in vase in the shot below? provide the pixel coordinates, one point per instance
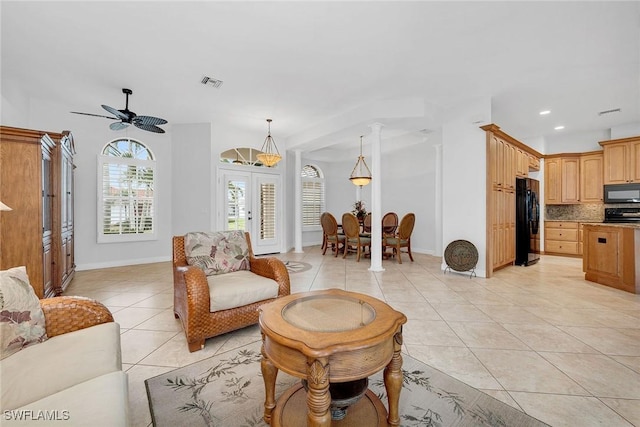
(359, 210)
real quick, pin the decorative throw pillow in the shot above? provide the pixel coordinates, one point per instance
(21, 317)
(217, 252)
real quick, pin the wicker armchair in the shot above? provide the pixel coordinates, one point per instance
(191, 302)
(69, 313)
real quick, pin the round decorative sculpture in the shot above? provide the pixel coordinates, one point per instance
(461, 255)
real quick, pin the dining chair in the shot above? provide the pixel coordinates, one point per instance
(389, 224)
(330, 235)
(366, 223)
(402, 239)
(354, 242)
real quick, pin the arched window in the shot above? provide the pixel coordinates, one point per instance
(241, 156)
(126, 192)
(312, 196)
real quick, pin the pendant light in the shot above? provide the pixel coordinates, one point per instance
(269, 155)
(360, 175)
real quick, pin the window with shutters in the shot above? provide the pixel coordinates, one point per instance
(126, 192)
(312, 197)
(267, 211)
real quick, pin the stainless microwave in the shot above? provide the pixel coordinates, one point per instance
(622, 193)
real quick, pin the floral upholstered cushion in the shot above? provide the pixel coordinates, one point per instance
(217, 252)
(21, 317)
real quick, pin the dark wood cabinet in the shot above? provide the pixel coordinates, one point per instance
(36, 181)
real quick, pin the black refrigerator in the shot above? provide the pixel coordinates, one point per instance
(527, 221)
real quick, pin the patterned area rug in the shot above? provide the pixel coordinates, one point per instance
(227, 390)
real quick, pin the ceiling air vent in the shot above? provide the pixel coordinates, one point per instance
(211, 82)
(615, 110)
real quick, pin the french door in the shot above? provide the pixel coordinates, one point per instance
(251, 201)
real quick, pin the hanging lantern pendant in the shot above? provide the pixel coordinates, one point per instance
(360, 175)
(270, 154)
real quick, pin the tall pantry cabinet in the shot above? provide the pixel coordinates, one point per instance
(507, 160)
(36, 181)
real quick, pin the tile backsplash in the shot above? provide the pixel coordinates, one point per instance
(582, 212)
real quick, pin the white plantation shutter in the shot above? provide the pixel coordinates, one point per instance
(312, 196)
(312, 202)
(127, 198)
(267, 211)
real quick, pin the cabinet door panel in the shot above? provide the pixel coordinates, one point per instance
(570, 180)
(591, 178)
(634, 149)
(603, 252)
(552, 181)
(616, 167)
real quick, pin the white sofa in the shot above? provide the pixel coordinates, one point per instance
(75, 377)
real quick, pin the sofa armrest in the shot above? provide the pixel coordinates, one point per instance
(70, 313)
(275, 269)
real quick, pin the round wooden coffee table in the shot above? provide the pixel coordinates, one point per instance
(329, 337)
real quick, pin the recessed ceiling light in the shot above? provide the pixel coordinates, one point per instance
(559, 127)
(545, 112)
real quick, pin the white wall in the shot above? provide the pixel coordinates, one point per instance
(191, 181)
(408, 185)
(464, 178)
(625, 131)
(91, 134)
(574, 142)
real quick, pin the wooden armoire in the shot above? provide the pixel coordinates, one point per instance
(36, 182)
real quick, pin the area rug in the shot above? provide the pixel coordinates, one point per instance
(297, 266)
(227, 390)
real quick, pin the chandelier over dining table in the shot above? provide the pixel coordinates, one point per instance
(360, 175)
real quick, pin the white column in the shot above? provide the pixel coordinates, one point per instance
(438, 200)
(298, 203)
(376, 198)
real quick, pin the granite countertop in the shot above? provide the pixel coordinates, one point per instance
(590, 221)
(617, 224)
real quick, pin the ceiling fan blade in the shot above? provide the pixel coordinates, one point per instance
(150, 128)
(149, 120)
(95, 115)
(118, 125)
(119, 114)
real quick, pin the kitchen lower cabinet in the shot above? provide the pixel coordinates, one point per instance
(612, 255)
(562, 238)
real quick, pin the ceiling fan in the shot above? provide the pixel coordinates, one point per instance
(127, 117)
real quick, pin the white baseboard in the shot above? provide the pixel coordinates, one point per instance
(122, 263)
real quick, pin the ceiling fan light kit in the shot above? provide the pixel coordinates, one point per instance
(269, 155)
(127, 117)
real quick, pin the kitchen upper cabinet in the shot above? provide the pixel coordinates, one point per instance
(573, 178)
(570, 178)
(591, 178)
(552, 181)
(621, 160)
(534, 163)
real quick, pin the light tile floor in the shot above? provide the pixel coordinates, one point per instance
(539, 338)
